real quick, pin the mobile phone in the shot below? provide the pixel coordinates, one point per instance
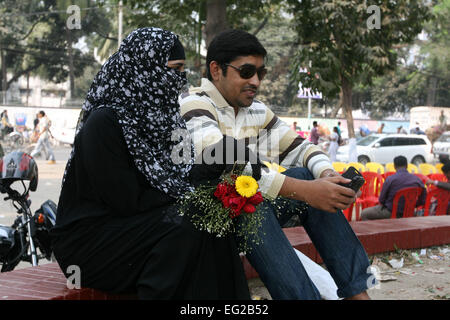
(356, 177)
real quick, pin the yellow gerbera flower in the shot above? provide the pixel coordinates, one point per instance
(246, 186)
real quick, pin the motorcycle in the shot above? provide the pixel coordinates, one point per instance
(29, 232)
(13, 140)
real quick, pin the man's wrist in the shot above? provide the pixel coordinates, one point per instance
(293, 188)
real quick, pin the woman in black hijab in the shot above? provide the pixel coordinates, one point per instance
(117, 218)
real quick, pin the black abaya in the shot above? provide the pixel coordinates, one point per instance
(127, 236)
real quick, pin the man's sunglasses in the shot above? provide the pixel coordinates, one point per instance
(248, 70)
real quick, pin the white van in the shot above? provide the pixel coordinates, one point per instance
(383, 148)
(441, 147)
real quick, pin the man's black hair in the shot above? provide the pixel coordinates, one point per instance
(42, 113)
(231, 44)
(400, 162)
(314, 123)
(446, 167)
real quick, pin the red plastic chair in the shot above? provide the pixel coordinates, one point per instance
(387, 174)
(373, 184)
(370, 192)
(438, 176)
(421, 177)
(442, 197)
(411, 195)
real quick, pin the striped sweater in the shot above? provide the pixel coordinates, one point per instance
(208, 117)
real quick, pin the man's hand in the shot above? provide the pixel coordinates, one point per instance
(324, 193)
(332, 173)
(327, 195)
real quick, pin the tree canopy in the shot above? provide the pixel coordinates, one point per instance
(344, 50)
(354, 62)
(35, 39)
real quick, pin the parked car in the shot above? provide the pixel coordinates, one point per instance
(383, 148)
(441, 147)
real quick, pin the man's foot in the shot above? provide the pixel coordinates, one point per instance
(51, 162)
(359, 296)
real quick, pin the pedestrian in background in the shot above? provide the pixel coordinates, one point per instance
(401, 130)
(334, 144)
(6, 126)
(35, 134)
(43, 142)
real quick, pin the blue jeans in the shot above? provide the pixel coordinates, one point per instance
(278, 265)
(43, 144)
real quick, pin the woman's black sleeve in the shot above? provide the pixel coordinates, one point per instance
(111, 169)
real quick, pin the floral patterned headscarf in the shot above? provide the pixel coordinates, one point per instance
(136, 83)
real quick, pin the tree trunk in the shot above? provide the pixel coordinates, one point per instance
(431, 91)
(216, 19)
(71, 67)
(4, 79)
(20, 73)
(28, 87)
(346, 103)
(261, 26)
(335, 111)
(346, 97)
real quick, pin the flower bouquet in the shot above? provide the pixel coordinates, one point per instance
(215, 208)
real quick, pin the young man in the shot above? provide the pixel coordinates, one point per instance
(440, 184)
(400, 180)
(43, 135)
(225, 105)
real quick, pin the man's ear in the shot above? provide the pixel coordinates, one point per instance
(215, 70)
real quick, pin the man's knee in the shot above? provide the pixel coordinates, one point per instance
(373, 213)
(299, 173)
(368, 213)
